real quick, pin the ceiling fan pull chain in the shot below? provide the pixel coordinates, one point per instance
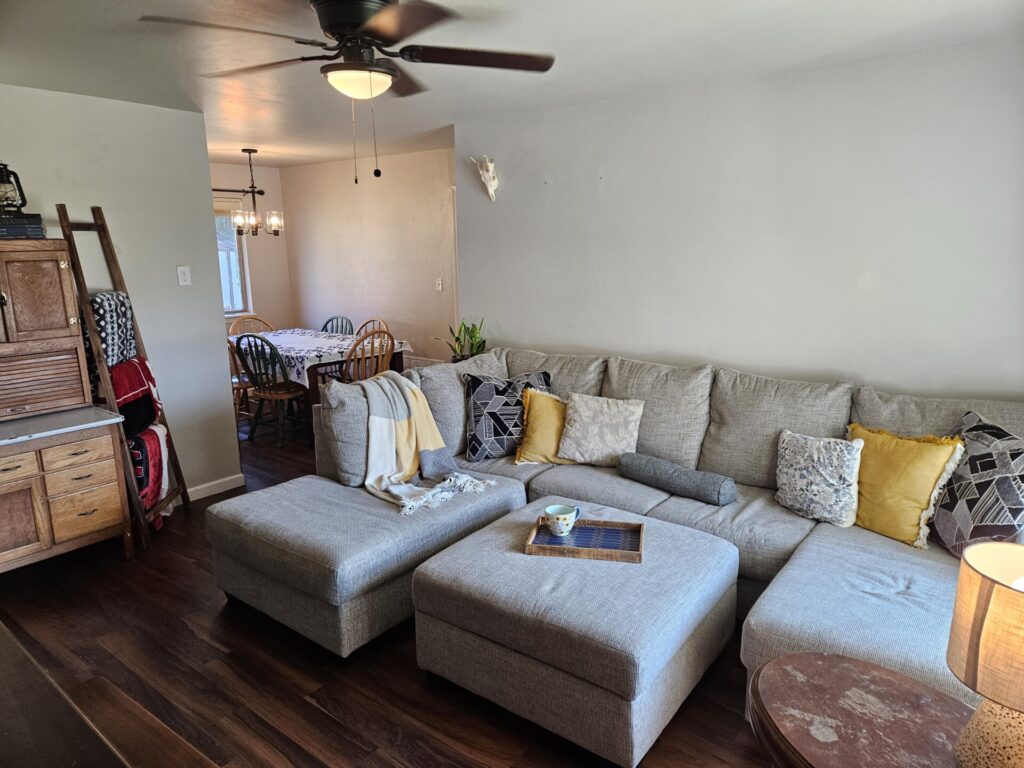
(373, 123)
(355, 162)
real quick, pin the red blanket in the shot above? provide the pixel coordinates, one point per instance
(133, 379)
(146, 450)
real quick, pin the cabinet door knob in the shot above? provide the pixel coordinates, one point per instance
(86, 514)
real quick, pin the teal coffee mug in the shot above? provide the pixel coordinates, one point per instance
(560, 518)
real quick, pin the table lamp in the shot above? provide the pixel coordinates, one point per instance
(986, 651)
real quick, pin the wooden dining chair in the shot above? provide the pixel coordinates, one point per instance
(369, 356)
(338, 324)
(376, 324)
(249, 324)
(240, 385)
(268, 377)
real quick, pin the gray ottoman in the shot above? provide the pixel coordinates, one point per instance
(335, 563)
(601, 653)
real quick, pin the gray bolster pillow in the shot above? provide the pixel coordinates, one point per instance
(658, 473)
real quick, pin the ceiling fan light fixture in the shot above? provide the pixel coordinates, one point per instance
(360, 80)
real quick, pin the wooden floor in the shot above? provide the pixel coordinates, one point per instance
(150, 643)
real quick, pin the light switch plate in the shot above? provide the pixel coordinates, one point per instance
(184, 275)
(439, 285)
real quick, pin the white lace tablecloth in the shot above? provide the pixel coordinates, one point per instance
(301, 348)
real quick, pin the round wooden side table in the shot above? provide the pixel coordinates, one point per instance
(816, 710)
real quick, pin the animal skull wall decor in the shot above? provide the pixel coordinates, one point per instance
(488, 174)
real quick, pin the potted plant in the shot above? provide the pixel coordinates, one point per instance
(465, 342)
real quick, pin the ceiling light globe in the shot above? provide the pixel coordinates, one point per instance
(360, 85)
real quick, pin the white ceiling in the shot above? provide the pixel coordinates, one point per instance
(605, 49)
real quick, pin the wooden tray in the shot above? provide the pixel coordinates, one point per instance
(590, 540)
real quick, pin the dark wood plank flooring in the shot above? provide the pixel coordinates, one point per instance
(153, 641)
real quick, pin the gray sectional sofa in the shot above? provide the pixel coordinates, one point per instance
(346, 575)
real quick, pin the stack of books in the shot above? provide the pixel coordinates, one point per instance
(21, 225)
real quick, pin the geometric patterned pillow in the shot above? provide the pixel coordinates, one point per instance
(495, 424)
(984, 500)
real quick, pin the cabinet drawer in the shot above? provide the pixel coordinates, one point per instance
(17, 467)
(78, 453)
(78, 514)
(80, 478)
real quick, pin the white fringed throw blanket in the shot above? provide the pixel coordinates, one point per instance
(404, 442)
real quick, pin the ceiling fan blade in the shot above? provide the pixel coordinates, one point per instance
(406, 85)
(268, 65)
(467, 57)
(397, 22)
(228, 28)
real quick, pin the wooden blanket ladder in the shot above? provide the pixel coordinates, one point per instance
(177, 488)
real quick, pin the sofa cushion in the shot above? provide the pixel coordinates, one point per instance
(445, 390)
(342, 436)
(335, 542)
(569, 373)
(676, 410)
(765, 532)
(600, 485)
(615, 625)
(915, 416)
(598, 430)
(504, 467)
(748, 413)
(494, 427)
(853, 592)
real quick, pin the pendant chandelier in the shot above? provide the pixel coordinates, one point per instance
(251, 222)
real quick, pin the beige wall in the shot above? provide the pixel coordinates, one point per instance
(147, 167)
(269, 277)
(861, 220)
(375, 249)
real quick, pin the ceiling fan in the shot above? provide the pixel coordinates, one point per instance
(362, 32)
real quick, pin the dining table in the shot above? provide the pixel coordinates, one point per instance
(307, 352)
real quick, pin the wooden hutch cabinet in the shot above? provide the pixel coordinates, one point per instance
(62, 478)
(42, 360)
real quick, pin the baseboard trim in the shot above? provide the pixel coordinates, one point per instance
(216, 486)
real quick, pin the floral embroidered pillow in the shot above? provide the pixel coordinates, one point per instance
(598, 430)
(817, 477)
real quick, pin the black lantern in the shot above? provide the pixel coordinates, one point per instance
(12, 196)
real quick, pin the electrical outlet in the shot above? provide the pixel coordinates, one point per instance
(439, 285)
(184, 275)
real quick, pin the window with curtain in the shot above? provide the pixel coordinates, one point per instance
(234, 278)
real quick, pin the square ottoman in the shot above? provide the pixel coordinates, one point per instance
(335, 563)
(599, 652)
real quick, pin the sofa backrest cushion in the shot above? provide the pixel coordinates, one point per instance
(569, 373)
(445, 390)
(676, 410)
(913, 416)
(748, 413)
(341, 435)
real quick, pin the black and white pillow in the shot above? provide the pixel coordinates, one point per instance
(984, 500)
(495, 406)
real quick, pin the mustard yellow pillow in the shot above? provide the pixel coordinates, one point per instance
(900, 481)
(543, 422)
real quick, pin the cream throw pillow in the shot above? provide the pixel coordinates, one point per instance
(598, 430)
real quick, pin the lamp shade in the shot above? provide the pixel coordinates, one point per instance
(986, 640)
(359, 80)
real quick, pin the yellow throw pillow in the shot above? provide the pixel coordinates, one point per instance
(543, 422)
(900, 481)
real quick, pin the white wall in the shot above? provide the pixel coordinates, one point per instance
(269, 277)
(862, 220)
(147, 167)
(375, 249)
